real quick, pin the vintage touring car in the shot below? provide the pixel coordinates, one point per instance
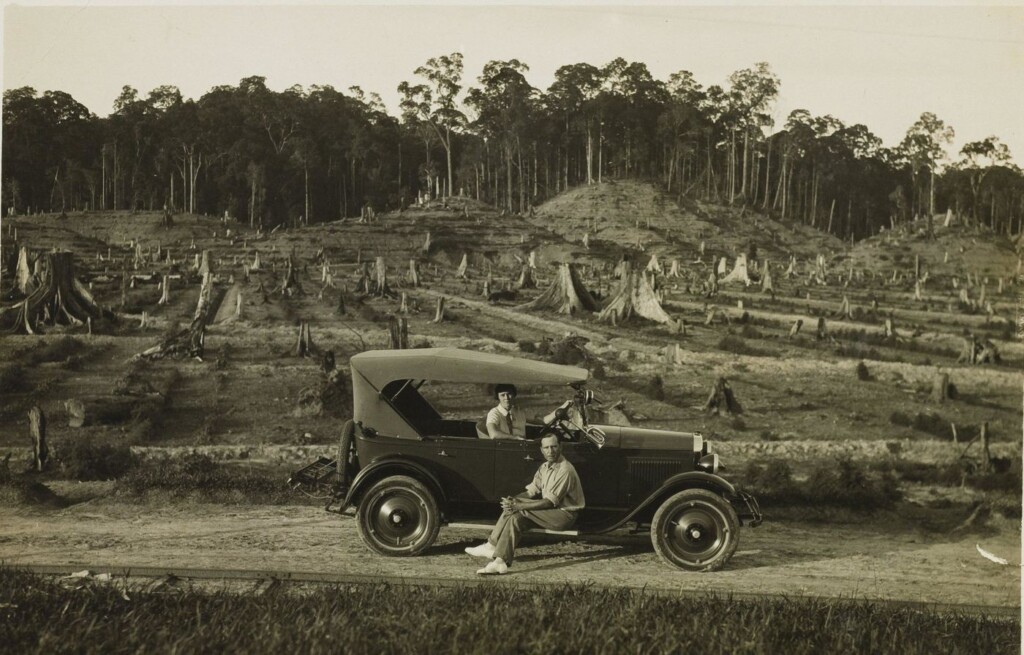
(407, 471)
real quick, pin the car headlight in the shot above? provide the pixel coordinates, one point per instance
(709, 463)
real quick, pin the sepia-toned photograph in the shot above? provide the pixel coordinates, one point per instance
(563, 328)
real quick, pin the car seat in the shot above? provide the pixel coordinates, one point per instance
(481, 430)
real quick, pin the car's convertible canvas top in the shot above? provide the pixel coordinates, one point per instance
(373, 370)
(378, 367)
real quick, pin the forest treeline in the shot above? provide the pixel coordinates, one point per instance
(319, 154)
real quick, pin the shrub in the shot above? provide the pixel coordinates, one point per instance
(655, 389)
(862, 372)
(844, 483)
(527, 346)
(836, 483)
(750, 332)
(85, 459)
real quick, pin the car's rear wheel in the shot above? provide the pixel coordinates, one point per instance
(695, 530)
(399, 517)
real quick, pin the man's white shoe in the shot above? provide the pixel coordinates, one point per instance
(483, 550)
(496, 566)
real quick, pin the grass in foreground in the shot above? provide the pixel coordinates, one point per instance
(38, 615)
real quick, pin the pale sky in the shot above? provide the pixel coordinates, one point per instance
(878, 66)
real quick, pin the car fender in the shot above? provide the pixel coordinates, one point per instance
(387, 466)
(681, 482)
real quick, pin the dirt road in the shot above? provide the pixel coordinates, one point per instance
(884, 560)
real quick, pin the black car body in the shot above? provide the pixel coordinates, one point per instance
(408, 471)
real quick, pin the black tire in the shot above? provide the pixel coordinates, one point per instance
(695, 530)
(345, 447)
(398, 517)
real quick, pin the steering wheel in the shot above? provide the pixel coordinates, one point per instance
(556, 425)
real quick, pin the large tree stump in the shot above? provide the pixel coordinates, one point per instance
(58, 299)
(634, 297)
(37, 429)
(439, 313)
(565, 295)
(721, 401)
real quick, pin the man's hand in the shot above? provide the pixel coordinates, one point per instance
(508, 504)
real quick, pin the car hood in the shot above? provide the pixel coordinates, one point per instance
(645, 439)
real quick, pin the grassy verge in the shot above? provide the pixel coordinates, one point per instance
(41, 616)
(199, 478)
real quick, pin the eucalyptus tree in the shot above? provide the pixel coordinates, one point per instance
(572, 97)
(924, 147)
(434, 104)
(682, 123)
(979, 159)
(753, 90)
(633, 100)
(504, 102)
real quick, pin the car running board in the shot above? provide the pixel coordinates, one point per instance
(490, 526)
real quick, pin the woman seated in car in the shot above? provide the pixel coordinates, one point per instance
(506, 421)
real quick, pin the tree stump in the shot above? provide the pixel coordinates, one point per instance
(940, 388)
(985, 453)
(37, 428)
(526, 279)
(380, 283)
(439, 314)
(291, 286)
(414, 274)
(165, 291)
(58, 298)
(822, 332)
(890, 329)
(404, 307)
(722, 401)
(304, 345)
(463, 271)
(565, 295)
(398, 333)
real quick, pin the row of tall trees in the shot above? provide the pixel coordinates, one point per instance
(318, 154)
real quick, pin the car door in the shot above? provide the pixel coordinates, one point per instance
(466, 468)
(515, 464)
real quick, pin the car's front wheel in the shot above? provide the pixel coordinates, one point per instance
(695, 530)
(399, 517)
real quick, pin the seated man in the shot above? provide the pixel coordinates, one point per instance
(551, 501)
(506, 421)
